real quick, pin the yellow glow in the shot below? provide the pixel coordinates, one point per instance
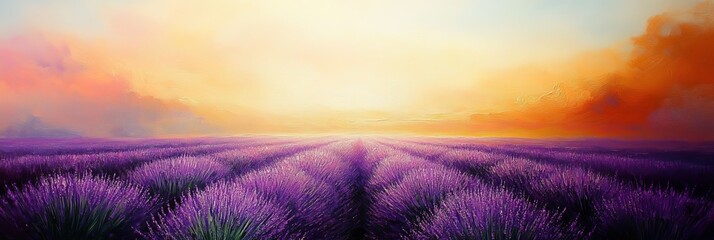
(285, 66)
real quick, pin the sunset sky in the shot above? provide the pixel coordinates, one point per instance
(510, 68)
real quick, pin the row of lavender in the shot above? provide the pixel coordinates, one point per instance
(588, 199)
(10, 147)
(115, 194)
(665, 164)
(333, 189)
(415, 198)
(307, 195)
(312, 195)
(26, 168)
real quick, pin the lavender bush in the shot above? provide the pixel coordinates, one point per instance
(491, 214)
(654, 214)
(74, 207)
(390, 171)
(313, 205)
(576, 191)
(519, 173)
(222, 211)
(395, 210)
(326, 167)
(169, 178)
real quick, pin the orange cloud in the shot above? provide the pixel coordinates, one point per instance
(665, 90)
(52, 88)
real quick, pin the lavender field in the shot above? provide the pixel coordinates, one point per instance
(354, 188)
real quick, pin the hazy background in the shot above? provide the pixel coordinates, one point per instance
(528, 68)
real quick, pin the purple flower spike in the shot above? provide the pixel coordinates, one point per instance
(392, 169)
(576, 190)
(315, 205)
(222, 211)
(172, 177)
(491, 214)
(74, 207)
(324, 166)
(520, 173)
(654, 214)
(396, 210)
(476, 162)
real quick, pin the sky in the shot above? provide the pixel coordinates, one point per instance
(512, 68)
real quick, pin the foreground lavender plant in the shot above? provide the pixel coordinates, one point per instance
(654, 214)
(74, 207)
(222, 211)
(396, 210)
(314, 205)
(575, 190)
(170, 178)
(491, 214)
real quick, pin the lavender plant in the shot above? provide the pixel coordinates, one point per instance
(169, 178)
(74, 207)
(492, 214)
(654, 214)
(222, 211)
(313, 205)
(396, 210)
(392, 169)
(576, 191)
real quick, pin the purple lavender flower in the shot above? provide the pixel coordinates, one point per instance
(32, 167)
(74, 207)
(314, 205)
(170, 178)
(476, 162)
(427, 151)
(576, 190)
(374, 153)
(654, 214)
(624, 164)
(346, 148)
(325, 166)
(222, 211)
(519, 173)
(390, 170)
(246, 158)
(491, 214)
(395, 211)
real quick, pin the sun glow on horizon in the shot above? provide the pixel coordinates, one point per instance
(510, 68)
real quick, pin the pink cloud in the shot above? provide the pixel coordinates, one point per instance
(42, 81)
